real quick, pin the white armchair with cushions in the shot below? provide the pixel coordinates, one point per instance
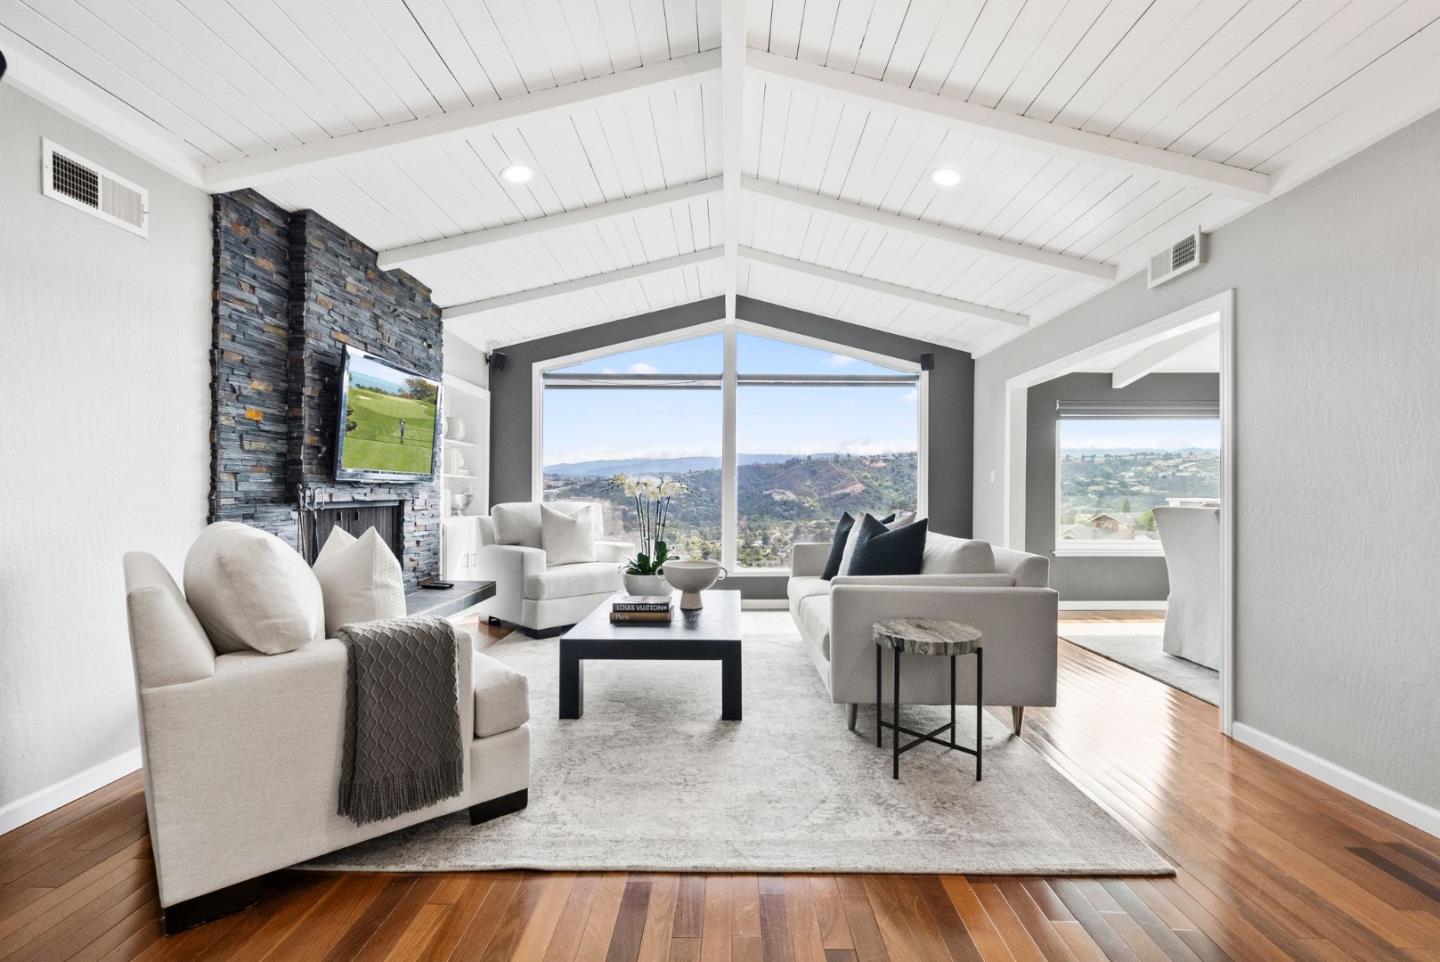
(532, 591)
(1002, 592)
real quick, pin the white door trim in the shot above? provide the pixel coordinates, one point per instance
(1016, 411)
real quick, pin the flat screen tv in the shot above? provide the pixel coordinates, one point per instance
(387, 421)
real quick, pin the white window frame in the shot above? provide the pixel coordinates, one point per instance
(1096, 549)
(729, 457)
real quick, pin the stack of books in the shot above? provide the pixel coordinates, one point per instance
(641, 609)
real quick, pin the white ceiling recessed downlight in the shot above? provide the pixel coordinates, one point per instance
(517, 174)
(945, 176)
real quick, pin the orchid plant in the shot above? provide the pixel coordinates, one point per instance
(652, 509)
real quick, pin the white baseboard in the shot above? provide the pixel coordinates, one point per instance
(764, 604)
(1407, 809)
(1112, 606)
(51, 797)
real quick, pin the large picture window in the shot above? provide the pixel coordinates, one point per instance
(1117, 462)
(817, 431)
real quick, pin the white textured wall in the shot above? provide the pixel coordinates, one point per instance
(1338, 459)
(104, 423)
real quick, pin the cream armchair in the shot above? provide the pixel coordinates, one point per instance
(242, 751)
(1002, 592)
(539, 598)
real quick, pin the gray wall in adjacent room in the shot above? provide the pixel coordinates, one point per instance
(951, 389)
(1337, 454)
(1093, 579)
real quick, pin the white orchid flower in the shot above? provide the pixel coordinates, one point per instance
(670, 488)
(632, 487)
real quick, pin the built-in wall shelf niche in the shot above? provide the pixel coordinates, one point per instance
(465, 470)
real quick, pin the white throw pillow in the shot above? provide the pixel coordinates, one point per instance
(567, 539)
(947, 555)
(851, 540)
(517, 522)
(252, 591)
(360, 578)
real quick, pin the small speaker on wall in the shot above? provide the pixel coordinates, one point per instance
(927, 362)
(496, 359)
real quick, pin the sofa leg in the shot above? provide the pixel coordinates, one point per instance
(853, 710)
(212, 905)
(1017, 717)
(495, 807)
(555, 632)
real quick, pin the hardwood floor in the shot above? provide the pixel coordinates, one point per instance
(1272, 865)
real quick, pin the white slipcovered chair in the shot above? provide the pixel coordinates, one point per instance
(539, 598)
(1193, 615)
(1002, 592)
(242, 751)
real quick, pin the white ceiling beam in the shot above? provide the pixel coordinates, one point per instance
(55, 85)
(585, 94)
(406, 258)
(1144, 362)
(987, 122)
(472, 308)
(969, 308)
(1088, 269)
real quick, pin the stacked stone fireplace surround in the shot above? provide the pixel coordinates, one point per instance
(291, 289)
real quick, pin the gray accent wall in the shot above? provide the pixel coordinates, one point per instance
(1093, 579)
(950, 389)
(1337, 460)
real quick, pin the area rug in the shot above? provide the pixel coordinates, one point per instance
(650, 779)
(1139, 646)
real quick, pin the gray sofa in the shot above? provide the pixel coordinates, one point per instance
(1002, 592)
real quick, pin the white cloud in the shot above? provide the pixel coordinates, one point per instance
(910, 396)
(607, 370)
(640, 367)
(839, 360)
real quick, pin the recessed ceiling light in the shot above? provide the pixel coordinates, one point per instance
(517, 173)
(945, 177)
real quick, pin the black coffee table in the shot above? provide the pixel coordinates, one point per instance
(710, 634)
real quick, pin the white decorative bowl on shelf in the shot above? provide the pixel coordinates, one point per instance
(692, 577)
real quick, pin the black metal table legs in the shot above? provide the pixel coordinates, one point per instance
(897, 729)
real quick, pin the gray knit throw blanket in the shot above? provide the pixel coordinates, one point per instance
(402, 718)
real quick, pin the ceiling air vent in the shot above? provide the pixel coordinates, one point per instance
(75, 181)
(1184, 255)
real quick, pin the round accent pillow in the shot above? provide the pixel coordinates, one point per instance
(252, 591)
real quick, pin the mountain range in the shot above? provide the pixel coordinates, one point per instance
(668, 467)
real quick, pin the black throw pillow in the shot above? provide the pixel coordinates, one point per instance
(837, 546)
(882, 552)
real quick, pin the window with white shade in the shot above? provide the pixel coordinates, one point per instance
(817, 430)
(1118, 461)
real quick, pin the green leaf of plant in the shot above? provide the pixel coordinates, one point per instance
(662, 552)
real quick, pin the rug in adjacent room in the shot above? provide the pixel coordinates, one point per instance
(1139, 646)
(650, 779)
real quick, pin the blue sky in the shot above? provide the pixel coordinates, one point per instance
(1162, 434)
(592, 425)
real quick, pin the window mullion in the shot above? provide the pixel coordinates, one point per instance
(729, 459)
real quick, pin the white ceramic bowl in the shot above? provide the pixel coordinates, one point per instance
(692, 577)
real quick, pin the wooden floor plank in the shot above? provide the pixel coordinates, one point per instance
(1271, 866)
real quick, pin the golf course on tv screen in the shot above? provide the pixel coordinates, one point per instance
(389, 419)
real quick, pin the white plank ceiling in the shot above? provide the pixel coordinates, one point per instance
(1279, 87)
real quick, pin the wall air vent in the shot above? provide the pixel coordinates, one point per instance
(72, 180)
(1184, 255)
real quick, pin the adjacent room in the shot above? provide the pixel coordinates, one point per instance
(719, 480)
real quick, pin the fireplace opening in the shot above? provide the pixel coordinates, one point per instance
(356, 517)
